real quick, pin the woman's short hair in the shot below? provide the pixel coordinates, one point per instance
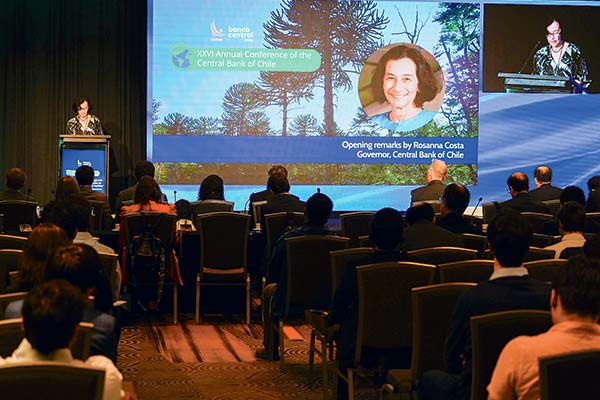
(79, 101)
(66, 186)
(211, 188)
(147, 189)
(428, 84)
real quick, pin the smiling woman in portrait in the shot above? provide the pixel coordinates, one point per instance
(406, 88)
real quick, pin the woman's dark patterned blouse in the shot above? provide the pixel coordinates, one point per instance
(94, 127)
(572, 64)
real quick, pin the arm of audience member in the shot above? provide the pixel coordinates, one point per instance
(504, 378)
(113, 380)
(344, 296)
(459, 335)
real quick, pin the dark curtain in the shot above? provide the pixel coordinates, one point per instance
(52, 51)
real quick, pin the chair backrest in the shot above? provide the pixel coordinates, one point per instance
(441, 255)
(256, 212)
(553, 205)
(97, 216)
(475, 242)
(12, 242)
(7, 298)
(544, 270)
(570, 252)
(432, 309)
(309, 271)
(17, 212)
(489, 335)
(593, 216)
(535, 253)
(11, 334)
(489, 210)
(536, 220)
(365, 241)
(9, 261)
(277, 224)
(541, 240)
(223, 241)
(384, 303)
(340, 261)
(109, 265)
(356, 224)
(570, 376)
(51, 380)
(466, 271)
(208, 206)
(162, 226)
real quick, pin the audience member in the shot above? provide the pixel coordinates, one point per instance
(591, 248)
(542, 177)
(570, 193)
(85, 179)
(571, 217)
(148, 198)
(508, 288)
(66, 186)
(265, 195)
(422, 232)
(184, 215)
(211, 188)
(318, 210)
(51, 313)
(518, 187)
(454, 202)
(593, 201)
(575, 309)
(125, 196)
(435, 185)
(282, 200)
(39, 249)
(386, 234)
(14, 181)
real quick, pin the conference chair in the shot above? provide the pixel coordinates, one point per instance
(12, 242)
(51, 380)
(162, 226)
(223, 254)
(570, 376)
(570, 252)
(593, 218)
(432, 309)
(466, 271)
(441, 255)
(277, 224)
(208, 206)
(536, 220)
(490, 210)
(308, 279)
(533, 254)
(342, 259)
(544, 270)
(9, 262)
(11, 334)
(257, 213)
(553, 205)
(97, 222)
(541, 240)
(475, 242)
(365, 241)
(356, 224)
(16, 213)
(109, 265)
(491, 332)
(384, 311)
(7, 298)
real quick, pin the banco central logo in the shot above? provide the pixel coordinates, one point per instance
(216, 32)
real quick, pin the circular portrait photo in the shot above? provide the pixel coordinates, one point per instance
(401, 87)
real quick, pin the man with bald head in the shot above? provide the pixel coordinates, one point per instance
(518, 187)
(542, 176)
(435, 185)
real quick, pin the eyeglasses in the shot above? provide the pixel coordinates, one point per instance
(553, 34)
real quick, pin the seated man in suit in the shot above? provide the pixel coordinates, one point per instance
(282, 200)
(386, 233)
(318, 210)
(518, 186)
(575, 309)
(85, 178)
(454, 202)
(593, 201)
(15, 180)
(435, 185)
(51, 313)
(265, 195)
(508, 288)
(571, 220)
(542, 176)
(142, 168)
(422, 232)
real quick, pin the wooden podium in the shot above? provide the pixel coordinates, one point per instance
(92, 150)
(526, 83)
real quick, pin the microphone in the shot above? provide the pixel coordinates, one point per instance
(246, 206)
(175, 195)
(318, 190)
(530, 53)
(477, 205)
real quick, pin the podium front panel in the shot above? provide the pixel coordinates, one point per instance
(75, 154)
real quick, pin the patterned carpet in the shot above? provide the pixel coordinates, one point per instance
(215, 360)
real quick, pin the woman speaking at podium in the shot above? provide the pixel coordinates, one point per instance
(83, 123)
(560, 57)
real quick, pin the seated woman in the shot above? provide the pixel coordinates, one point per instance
(404, 80)
(211, 188)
